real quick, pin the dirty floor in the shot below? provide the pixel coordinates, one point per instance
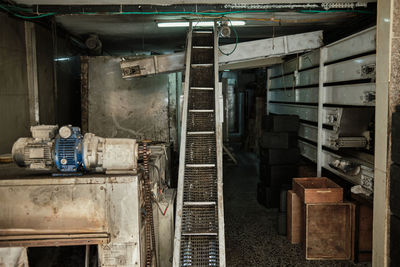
(250, 229)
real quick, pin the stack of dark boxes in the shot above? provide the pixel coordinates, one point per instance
(395, 190)
(279, 155)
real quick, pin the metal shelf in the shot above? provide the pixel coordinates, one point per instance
(334, 88)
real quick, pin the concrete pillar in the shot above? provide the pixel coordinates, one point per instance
(387, 97)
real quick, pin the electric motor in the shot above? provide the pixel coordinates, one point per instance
(36, 152)
(70, 152)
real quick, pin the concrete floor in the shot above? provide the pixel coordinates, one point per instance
(250, 229)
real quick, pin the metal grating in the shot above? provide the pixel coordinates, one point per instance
(202, 76)
(200, 185)
(201, 149)
(201, 39)
(201, 99)
(200, 219)
(202, 56)
(200, 121)
(199, 251)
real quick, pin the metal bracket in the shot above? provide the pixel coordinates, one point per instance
(368, 71)
(369, 97)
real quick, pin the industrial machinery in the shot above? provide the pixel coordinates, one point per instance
(129, 216)
(199, 229)
(68, 151)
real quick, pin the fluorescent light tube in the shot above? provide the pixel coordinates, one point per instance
(172, 24)
(197, 23)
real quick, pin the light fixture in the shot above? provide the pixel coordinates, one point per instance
(197, 23)
(62, 59)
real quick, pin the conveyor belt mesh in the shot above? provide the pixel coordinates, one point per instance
(201, 99)
(200, 185)
(198, 218)
(201, 121)
(199, 251)
(200, 149)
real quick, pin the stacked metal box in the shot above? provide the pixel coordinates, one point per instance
(279, 155)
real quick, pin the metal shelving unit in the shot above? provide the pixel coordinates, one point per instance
(332, 90)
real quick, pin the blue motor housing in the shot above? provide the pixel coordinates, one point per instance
(68, 150)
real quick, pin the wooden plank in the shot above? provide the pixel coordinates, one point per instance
(329, 231)
(363, 238)
(317, 190)
(294, 218)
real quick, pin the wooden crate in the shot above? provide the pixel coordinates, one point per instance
(329, 231)
(294, 217)
(317, 190)
(364, 231)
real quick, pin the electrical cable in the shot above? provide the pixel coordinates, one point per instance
(236, 41)
(13, 9)
(26, 17)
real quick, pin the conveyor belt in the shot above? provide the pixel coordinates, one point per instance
(199, 231)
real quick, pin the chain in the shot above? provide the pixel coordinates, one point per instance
(150, 239)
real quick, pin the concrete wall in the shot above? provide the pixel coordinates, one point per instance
(60, 102)
(16, 102)
(44, 55)
(14, 108)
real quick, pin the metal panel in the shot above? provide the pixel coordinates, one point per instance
(286, 81)
(352, 174)
(354, 94)
(308, 132)
(308, 113)
(308, 151)
(305, 61)
(134, 67)
(136, 108)
(361, 42)
(282, 95)
(308, 77)
(164, 230)
(278, 46)
(349, 121)
(353, 69)
(250, 64)
(300, 95)
(124, 215)
(309, 60)
(301, 78)
(92, 209)
(283, 68)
